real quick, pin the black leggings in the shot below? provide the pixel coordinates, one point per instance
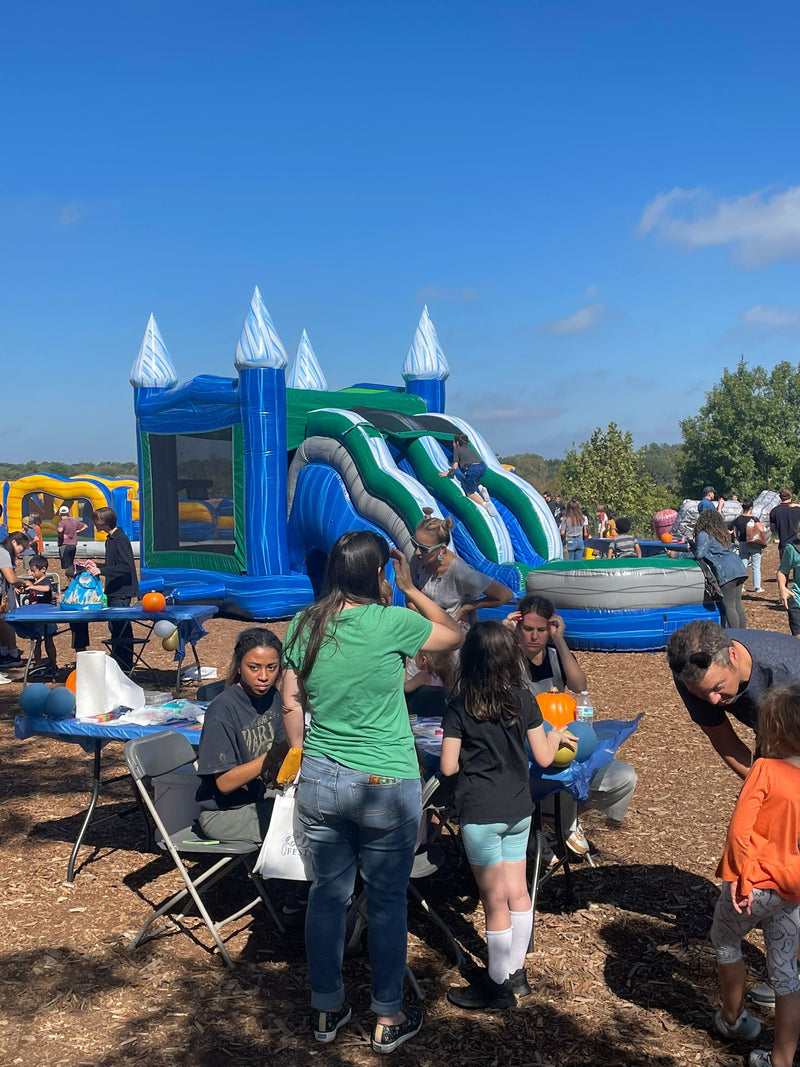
(733, 616)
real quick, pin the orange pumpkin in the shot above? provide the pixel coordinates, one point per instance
(154, 602)
(72, 681)
(667, 537)
(557, 708)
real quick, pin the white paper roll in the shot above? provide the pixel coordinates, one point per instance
(90, 685)
(101, 686)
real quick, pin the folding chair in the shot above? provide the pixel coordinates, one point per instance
(163, 753)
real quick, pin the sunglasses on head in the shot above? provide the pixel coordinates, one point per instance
(426, 548)
(701, 660)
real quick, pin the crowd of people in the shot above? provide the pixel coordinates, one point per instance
(118, 568)
(339, 689)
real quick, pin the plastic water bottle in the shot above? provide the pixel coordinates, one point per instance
(585, 709)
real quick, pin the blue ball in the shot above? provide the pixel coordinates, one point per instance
(60, 703)
(32, 698)
(587, 739)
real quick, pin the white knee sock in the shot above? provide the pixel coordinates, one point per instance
(521, 926)
(499, 944)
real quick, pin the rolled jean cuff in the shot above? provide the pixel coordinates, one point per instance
(327, 1001)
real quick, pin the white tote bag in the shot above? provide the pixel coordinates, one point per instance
(285, 852)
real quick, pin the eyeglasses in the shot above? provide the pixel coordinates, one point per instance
(701, 660)
(427, 548)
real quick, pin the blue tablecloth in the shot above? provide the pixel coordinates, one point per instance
(575, 778)
(86, 733)
(30, 622)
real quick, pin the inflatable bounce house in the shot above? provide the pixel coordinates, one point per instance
(247, 482)
(41, 495)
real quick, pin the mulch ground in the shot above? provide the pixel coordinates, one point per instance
(625, 978)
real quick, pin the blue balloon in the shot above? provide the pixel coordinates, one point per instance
(32, 698)
(587, 739)
(60, 703)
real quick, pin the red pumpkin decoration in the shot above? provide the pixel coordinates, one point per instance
(154, 602)
(667, 537)
(557, 708)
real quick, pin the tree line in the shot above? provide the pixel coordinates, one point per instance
(744, 439)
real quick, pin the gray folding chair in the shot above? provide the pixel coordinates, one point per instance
(163, 753)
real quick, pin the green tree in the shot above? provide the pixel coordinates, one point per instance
(745, 436)
(540, 472)
(607, 470)
(661, 463)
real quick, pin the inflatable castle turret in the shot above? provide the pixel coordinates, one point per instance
(426, 369)
(261, 362)
(306, 372)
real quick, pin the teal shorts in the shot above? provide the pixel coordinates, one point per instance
(488, 843)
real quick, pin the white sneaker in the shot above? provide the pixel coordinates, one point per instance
(5, 680)
(576, 842)
(484, 492)
(746, 1028)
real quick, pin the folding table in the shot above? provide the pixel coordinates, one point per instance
(93, 737)
(31, 622)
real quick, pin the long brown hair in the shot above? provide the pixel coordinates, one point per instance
(351, 573)
(714, 525)
(491, 669)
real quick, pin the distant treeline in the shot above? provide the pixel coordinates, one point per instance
(660, 462)
(10, 472)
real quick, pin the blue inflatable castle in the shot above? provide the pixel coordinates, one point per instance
(246, 482)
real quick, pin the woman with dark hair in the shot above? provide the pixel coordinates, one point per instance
(446, 578)
(552, 665)
(359, 789)
(11, 551)
(712, 543)
(241, 727)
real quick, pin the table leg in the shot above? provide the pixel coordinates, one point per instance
(28, 662)
(89, 811)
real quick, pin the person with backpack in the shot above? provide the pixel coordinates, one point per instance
(752, 536)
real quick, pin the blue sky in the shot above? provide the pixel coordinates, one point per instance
(599, 202)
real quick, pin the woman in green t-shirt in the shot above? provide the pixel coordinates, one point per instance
(359, 789)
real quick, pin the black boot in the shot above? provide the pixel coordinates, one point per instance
(482, 993)
(518, 983)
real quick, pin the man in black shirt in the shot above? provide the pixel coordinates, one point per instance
(784, 518)
(721, 674)
(122, 585)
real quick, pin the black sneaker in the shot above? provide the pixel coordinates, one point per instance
(387, 1038)
(518, 983)
(327, 1023)
(482, 993)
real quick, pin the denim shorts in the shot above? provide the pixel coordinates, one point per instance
(489, 843)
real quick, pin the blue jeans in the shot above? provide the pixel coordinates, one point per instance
(351, 824)
(471, 476)
(575, 547)
(752, 555)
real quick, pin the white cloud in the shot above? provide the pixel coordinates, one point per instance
(580, 322)
(72, 213)
(440, 294)
(781, 318)
(762, 227)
